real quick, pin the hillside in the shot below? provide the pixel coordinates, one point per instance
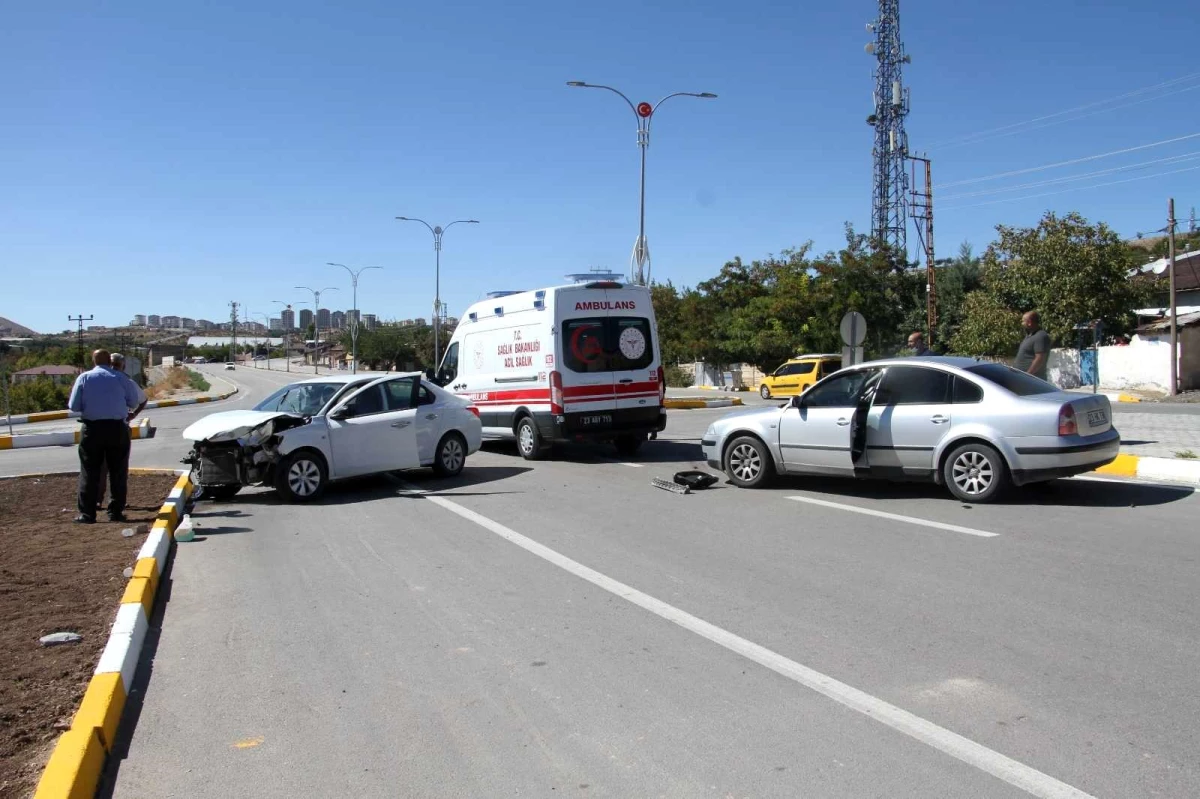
(10, 329)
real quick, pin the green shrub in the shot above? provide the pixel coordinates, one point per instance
(677, 378)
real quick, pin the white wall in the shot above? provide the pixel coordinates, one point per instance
(1144, 364)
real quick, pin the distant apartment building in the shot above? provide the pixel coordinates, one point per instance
(337, 320)
(154, 320)
(204, 324)
(306, 318)
(139, 320)
(352, 316)
(287, 319)
(370, 321)
(323, 318)
(171, 322)
(276, 323)
(187, 324)
(419, 321)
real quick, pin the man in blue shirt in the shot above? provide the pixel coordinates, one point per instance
(118, 363)
(105, 399)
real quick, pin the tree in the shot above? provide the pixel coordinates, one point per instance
(1068, 270)
(955, 282)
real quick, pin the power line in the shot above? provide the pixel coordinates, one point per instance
(970, 138)
(1079, 117)
(1084, 176)
(1069, 162)
(1073, 188)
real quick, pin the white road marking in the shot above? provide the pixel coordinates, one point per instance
(964, 749)
(896, 517)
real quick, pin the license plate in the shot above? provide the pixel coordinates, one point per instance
(1097, 418)
(592, 421)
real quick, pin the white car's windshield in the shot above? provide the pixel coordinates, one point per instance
(302, 398)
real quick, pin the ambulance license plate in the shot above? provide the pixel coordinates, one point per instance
(595, 421)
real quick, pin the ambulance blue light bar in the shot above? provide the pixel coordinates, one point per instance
(603, 284)
(539, 300)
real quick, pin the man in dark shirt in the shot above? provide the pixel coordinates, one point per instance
(1033, 355)
(916, 343)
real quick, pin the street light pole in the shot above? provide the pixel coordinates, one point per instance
(644, 114)
(268, 318)
(287, 340)
(317, 324)
(354, 322)
(437, 231)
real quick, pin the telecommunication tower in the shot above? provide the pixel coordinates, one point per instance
(890, 193)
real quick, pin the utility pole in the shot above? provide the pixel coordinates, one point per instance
(233, 320)
(80, 319)
(890, 186)
(1171, 272)
(1192, 220)
(922, 207)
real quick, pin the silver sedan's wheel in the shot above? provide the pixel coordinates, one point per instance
(302, 478)
(451, 456)
(975, 473)
(748, 463)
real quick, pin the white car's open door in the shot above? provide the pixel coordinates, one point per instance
(375, 428)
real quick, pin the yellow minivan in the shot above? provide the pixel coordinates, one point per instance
(798, 374)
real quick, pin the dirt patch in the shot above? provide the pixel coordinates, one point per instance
(56, 576)
(177, 382)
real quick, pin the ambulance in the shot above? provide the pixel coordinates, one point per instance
(570, 363)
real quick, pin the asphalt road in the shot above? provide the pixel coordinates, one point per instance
(562, 627)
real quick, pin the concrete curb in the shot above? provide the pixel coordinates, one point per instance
(1113, 396)
(1175, 470)
(692, 403)
(141, 430)
(78, 759)
(54, 416)
(721, 388)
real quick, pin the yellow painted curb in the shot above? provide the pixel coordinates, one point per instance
(140, 589)
(169, 513)
(148, 568)
(1128, 398)
(1124, 465)
(101, 707)
(6, 442)
(74, 768)
(693, 404)
(184, 484)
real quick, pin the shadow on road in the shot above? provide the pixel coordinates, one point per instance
(1063, 493)
(660, 451)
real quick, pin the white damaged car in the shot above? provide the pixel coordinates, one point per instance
(331, 428)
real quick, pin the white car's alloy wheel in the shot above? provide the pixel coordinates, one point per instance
(452, 455)
(304, 478)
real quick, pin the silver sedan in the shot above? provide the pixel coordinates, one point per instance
(973, 426)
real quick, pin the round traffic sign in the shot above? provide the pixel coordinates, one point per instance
(854, 329)
(645, 109)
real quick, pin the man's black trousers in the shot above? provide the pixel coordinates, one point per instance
(103, 442)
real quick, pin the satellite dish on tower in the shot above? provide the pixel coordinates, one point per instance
(870, 48)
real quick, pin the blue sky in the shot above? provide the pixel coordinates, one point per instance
(167, 158)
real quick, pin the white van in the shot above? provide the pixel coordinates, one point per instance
(569, 363)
